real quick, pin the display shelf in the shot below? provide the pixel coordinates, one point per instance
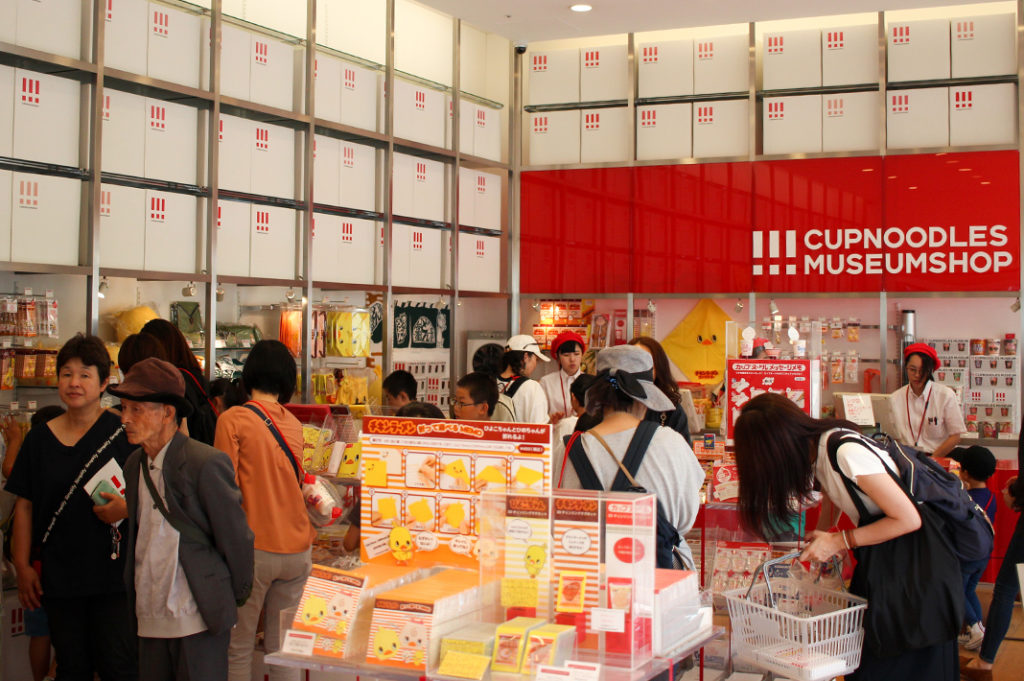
(149, 183)
(261, 281)
(150, 275)
(425, 150)
(425, 82)
(576, 106)
(481, 100)
(415, 290)
(349, 57)
(821, 90)
(247, 197)
(258, 28)
(687, 99)
(950, 82)
(263, 113)
(481, 163)
(342, 211)
(482, 231)
(155, 87)
(341, 286)
(41, 268)
(484, 294)
(421, 222)
(44, 62)
(21, 165)
(349, 133)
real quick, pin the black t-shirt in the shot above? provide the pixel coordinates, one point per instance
(76, 557)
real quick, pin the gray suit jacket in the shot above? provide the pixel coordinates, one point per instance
(199, 486)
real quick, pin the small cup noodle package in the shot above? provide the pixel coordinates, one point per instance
(549, 644)
(510, 643)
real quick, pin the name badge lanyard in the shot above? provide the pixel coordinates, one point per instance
(924, 414)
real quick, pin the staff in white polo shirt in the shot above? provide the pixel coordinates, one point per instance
(926, 413)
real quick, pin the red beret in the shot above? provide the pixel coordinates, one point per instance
(565, 337)
(924, 349)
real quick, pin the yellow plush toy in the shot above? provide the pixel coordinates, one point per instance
(697, 344)
(400, 542)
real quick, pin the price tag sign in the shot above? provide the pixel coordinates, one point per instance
(298, 643)
(584, 671)
(607, 619)
(858, 409)
(464, 665)
(548, 673)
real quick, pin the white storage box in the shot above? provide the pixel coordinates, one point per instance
(917, 118)
(236, 151)
(5, 214)
(791, 59)
(45, 219)
(721, 128)
(9, 94)
(9, 28)
(272, 249)
(358, 176)
(849, 55)
(665, 69)
(982, 114)
(604, 135)
(983, 46)
(416, 256)
(171, 140)
(403, 189)
(326, 170)
(273, 160)
(553, 76)
(173, 52)
(420, 113)
(50, 26)
(235, 46)
(359, 96)
(124, 36)
(233, 236)
(326, 246)
(355, 252)
(664, 131)
(272, 72)
(721, 64)
(479, 262)
(479, 130)
(479, 199)
(918, 50)
(124, 132)
(170, 232)
(329, 71)
(428, 190)
(46, 118)
(792, 125)
(850, 122)
(554, 137)
(604, 73)
(467, 196)
(122, 227)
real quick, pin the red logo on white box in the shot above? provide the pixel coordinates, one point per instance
(540, 62)
(705, 114)
(263, 222)
(157, 208)
(106, 107)
(350, 79)
(105, 204)
(421, 100)
(592, 121)
(900, 34)
(776, 111)
(262, 52)
(30, 91)
(17, 621)
(648, 118)
(380, 242)
(161, 23)
(417, 240)
(835, 107)
(346, 232)
(110, 9)
(650, 54)
(348, 156)
(964, 99)
(900, 103)
(157, 117)
(591, 59)
(540, 124)
(220, 130)
(481, 184)
(481, 118)
(965, 30)
(781, 247)
(263, 139)
(28, 194)
(706, 50)
(421, 171)
(480, 248)
(775, 44)
(836, 40)
(219, 211)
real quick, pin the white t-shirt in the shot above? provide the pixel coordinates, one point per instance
(933, 416)
(855, 459)
(530, 403)
(669, 470)
(556, 388)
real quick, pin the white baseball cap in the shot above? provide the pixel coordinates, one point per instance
(524, 343)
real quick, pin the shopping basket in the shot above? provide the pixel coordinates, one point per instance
(796, 628)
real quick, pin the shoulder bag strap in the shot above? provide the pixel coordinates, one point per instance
(623, 474)
(584, 469)
(515, 385)
(636, 451)
(185, 528)
(269, 422)
(201, 390)
(834, 441)
(570, 442)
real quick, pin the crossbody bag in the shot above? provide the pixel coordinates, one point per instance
(185, 527)
(272, 427)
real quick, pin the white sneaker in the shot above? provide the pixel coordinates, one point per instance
(974, 636)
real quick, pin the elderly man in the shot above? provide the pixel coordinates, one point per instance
(189, 547)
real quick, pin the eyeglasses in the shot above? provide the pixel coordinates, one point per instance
(916, 371)
(463, 405)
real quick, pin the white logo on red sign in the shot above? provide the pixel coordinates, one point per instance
(263, 139)
(105, 204)
(480, 248)
(900, 103)
(421, 100)
(540, 124)
(161, 23)
(775, 44)
(30, 91)
(836, 40)
(157, 208)
(901, 34)
(592, 121)
(591, 59)
(346, 232)
(705, 114)
(965, 30)
(417, 240)
(106, 107)
(28, 194)
(421, 171)
(706, 50)
(262, 52)
(776, 111)
(777, 255)
(650, 54)
(481, 118)
(649, 118)
(964, 99)
(540, 62)
(157, 117)
(835, 107)
(350, 79)
(263, 222)
(110, 10)
(481, 184)
(348, 156)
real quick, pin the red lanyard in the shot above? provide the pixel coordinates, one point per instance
(920, 426)
(564, 387)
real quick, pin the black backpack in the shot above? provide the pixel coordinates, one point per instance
(668, 536)
(965, 523)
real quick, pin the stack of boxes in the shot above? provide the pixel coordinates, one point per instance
(984, 375)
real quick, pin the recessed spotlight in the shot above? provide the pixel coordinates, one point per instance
(580, 7)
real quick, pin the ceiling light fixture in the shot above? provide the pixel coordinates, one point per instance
(580, 7)
(773, 308)
(289, 295)
(739, 305)
(220, 293)
(189, 290)
(101, 290)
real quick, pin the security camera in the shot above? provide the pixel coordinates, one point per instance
(520, 48)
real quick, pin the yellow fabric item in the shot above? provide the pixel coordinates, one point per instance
(131, 321)
(697, 344)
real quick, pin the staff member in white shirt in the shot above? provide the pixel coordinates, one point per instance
(521, 356)
(568, 349)
(926, 413)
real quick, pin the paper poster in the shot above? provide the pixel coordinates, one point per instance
(797, 379)
(422, 480)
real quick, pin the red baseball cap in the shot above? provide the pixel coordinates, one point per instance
(924, 349)
(565, 337)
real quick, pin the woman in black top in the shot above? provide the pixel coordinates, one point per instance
(675, 419)
(82, 568)
(202, 422)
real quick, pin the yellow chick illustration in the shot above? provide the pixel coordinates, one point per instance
(420, 511)
(697, 344)
(491, 475)
(454, 514)
(375, 473)
(527, 476)
(414, 637)
(486, 551)
(341, 606)
(314, 609)
(338, 646)
(536, 556)
(349, 467)
(457, 471)
(385, 643)
(400, 541)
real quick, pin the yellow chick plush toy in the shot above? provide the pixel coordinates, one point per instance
(697, 344)
(400, 542)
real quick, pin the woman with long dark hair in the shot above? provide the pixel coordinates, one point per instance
(202, 421)
(676, 418)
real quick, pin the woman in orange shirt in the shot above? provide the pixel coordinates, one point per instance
(264, 441)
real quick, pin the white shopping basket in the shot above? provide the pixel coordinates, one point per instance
(795, 628)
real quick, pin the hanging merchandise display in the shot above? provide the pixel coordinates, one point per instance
(401, 335)
(574, 314)
(423, 332)
(290, 328)
(186, 315)
(376, 319)
(697, 344)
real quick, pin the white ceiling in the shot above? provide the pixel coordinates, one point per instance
(535, 20)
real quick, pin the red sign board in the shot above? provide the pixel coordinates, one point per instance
(797, 379)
